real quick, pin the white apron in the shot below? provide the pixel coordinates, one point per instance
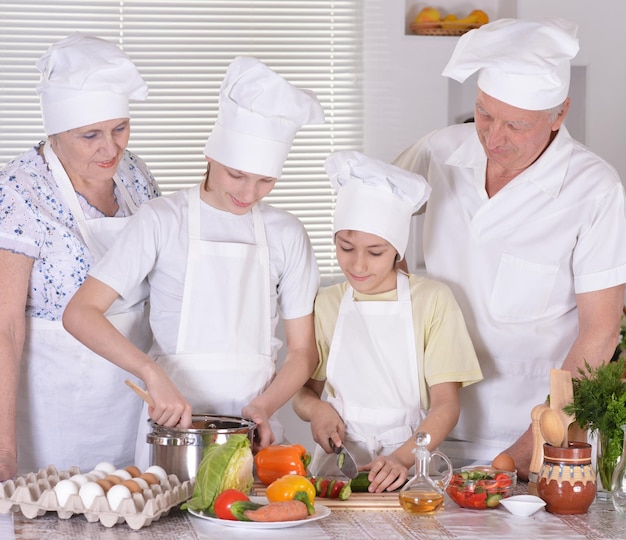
(73, 406)
(373, 367)
(223, 356)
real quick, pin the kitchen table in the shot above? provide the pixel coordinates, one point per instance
(363, 516)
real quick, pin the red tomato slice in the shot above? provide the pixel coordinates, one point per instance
(225, 499)
(503, 480)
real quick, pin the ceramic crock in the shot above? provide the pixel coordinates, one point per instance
(567, 481)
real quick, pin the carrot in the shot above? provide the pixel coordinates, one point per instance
(278, 511)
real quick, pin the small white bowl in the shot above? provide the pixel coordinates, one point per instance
(523, 505)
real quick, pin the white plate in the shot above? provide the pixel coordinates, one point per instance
(321, 511)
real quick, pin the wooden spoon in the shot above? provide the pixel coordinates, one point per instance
(538, 440)
(562, 394)
(552, 429)
(143, 394)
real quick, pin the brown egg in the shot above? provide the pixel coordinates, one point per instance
(150, 478)
(132, 486)
(134, 471)
(105, 484)
(113, 479)
(503, 462)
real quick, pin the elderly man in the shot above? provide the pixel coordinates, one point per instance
(527, 227)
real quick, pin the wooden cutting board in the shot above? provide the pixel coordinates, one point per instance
(356, 501)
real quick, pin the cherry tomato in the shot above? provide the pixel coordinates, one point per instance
(225, 499)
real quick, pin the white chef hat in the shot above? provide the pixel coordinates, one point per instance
(523, 63)
(259, 115)
(84, 80)
(375, 197)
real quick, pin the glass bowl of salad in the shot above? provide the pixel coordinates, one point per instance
(481, 488)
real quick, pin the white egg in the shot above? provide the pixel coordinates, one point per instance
(88, 492)
(121, 473)
(116, 495)
(98, 474)
(157, 471)
(64, 489)
(79, 479)
(105, 466)
(141, 483)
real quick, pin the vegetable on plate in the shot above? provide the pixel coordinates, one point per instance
(224, 501)
(293, 510)
(290, 487)
(224, 466)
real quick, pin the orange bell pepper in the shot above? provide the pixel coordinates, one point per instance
(275, 461)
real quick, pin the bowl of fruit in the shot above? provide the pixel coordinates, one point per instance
(480, 488)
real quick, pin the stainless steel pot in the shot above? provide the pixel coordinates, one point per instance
(179, 451)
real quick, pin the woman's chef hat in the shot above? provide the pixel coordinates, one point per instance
(84, 80)
(259, 116)
(523, 63)
(375, 197)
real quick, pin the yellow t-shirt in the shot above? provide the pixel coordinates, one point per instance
(442, 343)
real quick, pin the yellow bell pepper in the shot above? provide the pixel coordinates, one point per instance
(287, 487)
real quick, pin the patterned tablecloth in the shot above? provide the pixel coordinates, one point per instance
(176, 525)
(366, 517)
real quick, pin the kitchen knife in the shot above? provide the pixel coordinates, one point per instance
(345, 461)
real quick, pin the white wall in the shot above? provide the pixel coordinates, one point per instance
(405, 95)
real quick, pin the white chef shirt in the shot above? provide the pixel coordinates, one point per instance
(515, 261)
(155, 241)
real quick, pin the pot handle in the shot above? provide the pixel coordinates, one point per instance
(190, 440)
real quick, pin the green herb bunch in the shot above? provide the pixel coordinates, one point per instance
(600, 397)
(600, 406)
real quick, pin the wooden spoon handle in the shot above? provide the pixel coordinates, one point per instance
(143, 394)
(538, 440)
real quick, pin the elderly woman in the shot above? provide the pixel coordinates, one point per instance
(63, 202)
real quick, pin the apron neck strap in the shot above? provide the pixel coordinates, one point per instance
(194, 217)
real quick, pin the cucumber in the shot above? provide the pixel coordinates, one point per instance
(360, 483)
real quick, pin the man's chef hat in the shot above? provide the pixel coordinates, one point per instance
(525, 64)
(84, 80)
(259, 116)
(375, 197)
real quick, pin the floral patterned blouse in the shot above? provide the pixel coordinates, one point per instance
(36, 222)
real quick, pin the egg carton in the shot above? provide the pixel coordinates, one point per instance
(34, 495)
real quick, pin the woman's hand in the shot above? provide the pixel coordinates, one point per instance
(264, 434)
(170, 408)
(386, 473)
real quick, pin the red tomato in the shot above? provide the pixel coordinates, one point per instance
(503, 480)
(225, 499)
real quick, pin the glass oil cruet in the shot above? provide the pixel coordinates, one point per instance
(422, 495)
(618, 482)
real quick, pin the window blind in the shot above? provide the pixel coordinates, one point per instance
(182, 49)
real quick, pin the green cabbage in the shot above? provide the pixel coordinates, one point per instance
(223, 466)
